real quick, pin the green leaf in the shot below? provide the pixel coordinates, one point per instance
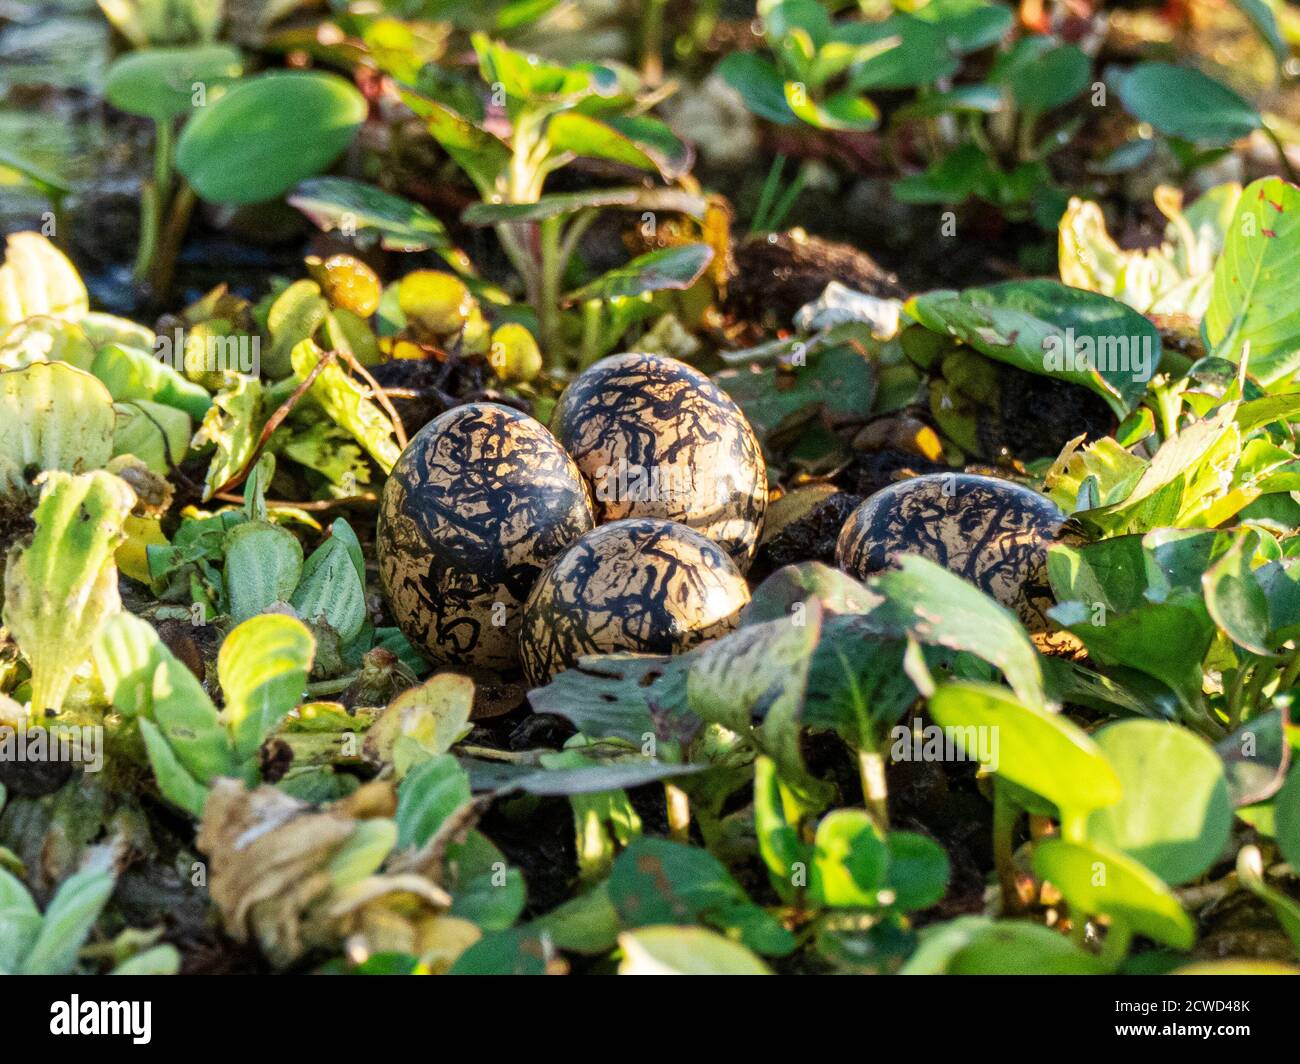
(267, 134)
(976, 945)
(20, 922)
(1046, 328)
(1182, 102)
(917, 53)
(232, 424)
(130, 373)
(37, 278)
(1265, 24)
(1042, 752)
(431, 792)
(263, 565)
(918, 871)
(561, 204)
(44, 339)
(1236, 600)
(669, 268)
(609, 695)
(925, 601)
(263, 666)
(1099, 881)
(160, 83)
(634, 140)
(158, 435)
(69, 917)
(1174, 815)
(1041, 73)
(369, 212)
(685, 951)
(655, 881)
(1286, 818)
(52, 417)
(347, 403)
(759, 84)
(1251, 302)
(332, 587)
(850, 861)
(62, 586)
(967, 25)
(480, 154)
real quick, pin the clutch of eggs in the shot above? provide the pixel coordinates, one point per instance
(480, 501)
(656, 438)
(640, 584)
(991, 532)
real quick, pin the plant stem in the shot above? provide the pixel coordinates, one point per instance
(1005, 816)
(548, 305)
(875, 791)
(591, 331)
(652, 40)
(679, 812)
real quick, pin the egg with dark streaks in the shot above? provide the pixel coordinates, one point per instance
(480, 501)
(656, 438)
(641, 584)
(992, 532)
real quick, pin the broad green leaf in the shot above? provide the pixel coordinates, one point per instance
(780, 593)
(20, 922)
(1174, 815)
(294, 317)
(634, 140)
(431, 792)
(1042, 73)
(52, 417)
(266, 134)
(480, 154)
(263, 565)
(331, 588)
(130, 373)
(669, 268)
(369, 212)
(1286, 818)
(1046, 328)
(434, 715)
(61, 587)
(976, 945)
(685, 951)
(609, 695)
(157, 435)
(1256, 756)
(1100, 881)
(45, 339)
(967, 25)
(161, 83)
(660, 882)
(1236, 600)
(37, 278)
(918, 871)
(925, 601)
(1251, 302)
(1042, 752)
(263, 666)
(850, 861)
(760, 85)
(916, 53)
(1180, 101)
(531, 78)
(175, 781)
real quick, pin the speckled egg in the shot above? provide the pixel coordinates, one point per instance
(640, 584)
(991, 532)
(480, 501)
(656, 438)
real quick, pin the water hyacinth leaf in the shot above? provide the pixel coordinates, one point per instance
(918, 871)
(265, 135)
(655, 881)
(976, 945)
(1180, 101)
(759, 671)
(62, 586)
(668, 268)
(923, 600)
(428, 795)
(685, 951)
(850, 861)
(1047, 328)
(331, 588)
(613, 695)
(52, 416)
(1256, 756)
(369, 213)
(263, 666)
(1042, 752)
(1236, 601)
(37, 278)
(161, 83)
(434, 715)
(1250, 304)
(263, 566)
(132, 373)
(1101, 881)
(348, 404)
(1167, 640)
(1174, 815)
